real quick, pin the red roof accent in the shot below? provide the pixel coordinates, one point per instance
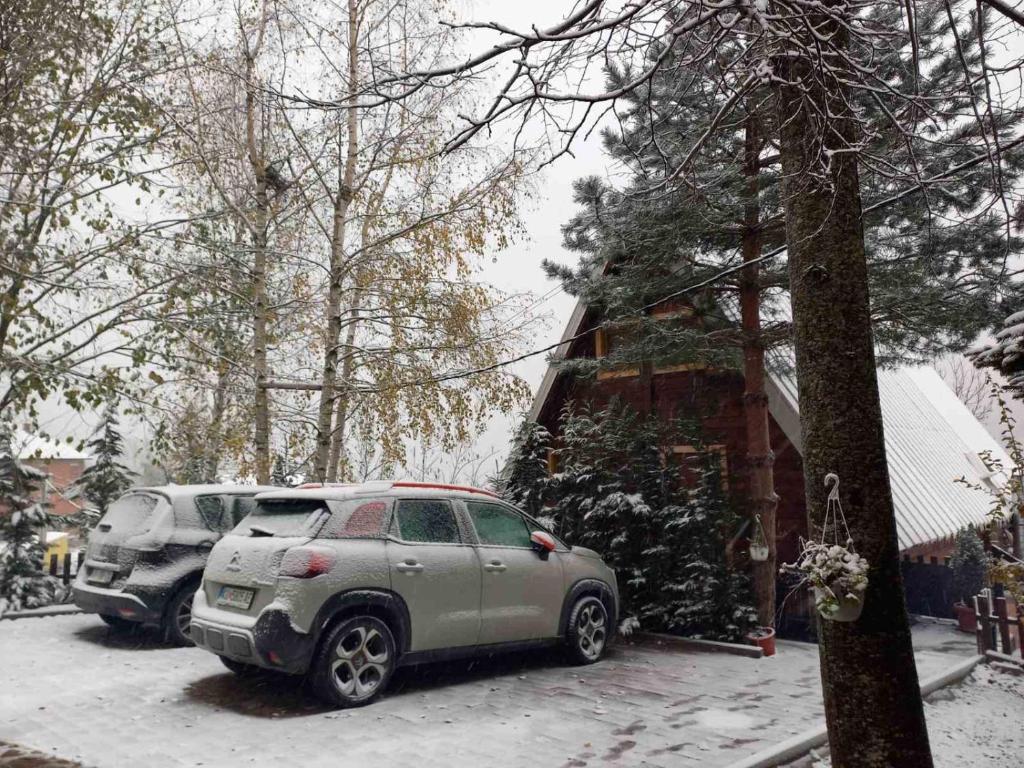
(444, 487)
(308, 486)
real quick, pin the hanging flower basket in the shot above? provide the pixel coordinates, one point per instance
(759, 544)
(758, 552)
(838, 575)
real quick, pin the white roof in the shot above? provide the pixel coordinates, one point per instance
(931, 438)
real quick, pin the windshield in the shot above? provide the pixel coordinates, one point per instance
(132, 513)
(284, 517)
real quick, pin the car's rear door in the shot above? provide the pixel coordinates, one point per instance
(522, 594)
(436, 572)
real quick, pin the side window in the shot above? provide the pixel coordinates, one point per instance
(355, 519)
(426, 520)
(496, 525)
(211, 512)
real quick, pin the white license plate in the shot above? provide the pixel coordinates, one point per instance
(233, 597)
(99, 576)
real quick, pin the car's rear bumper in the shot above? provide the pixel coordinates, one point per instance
(271, 642)
(115, 602)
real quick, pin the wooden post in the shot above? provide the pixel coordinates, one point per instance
(53, 565)
(981, 612)
(67, 569)
(1004, 625)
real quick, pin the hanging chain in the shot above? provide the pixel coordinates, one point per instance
(834, 510)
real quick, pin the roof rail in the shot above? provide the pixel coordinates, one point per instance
(309, 486)
(443, 487)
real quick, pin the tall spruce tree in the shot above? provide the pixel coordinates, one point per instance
(526, 471)
(935, 261)
(23, 517)
(106, 478)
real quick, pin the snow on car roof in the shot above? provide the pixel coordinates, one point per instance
(380, 487)
(173, 491)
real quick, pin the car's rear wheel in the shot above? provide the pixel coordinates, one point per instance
(587, 633)
(117, 623)
(354, 663)
(178, 616)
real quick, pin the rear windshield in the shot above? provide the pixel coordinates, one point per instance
(132, 514)
(284, 517)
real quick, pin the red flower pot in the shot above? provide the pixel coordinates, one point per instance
(966, 620)
(763, 637)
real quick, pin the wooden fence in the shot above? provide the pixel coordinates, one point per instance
(992, 621)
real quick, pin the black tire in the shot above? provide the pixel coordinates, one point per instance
(587, 633)
(240, 668)
(178, 616)
(118, 624)
(354, 663)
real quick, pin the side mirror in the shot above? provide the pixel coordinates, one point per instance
(543, 544)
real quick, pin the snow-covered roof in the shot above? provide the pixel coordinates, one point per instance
(931, 438)
(34, 447)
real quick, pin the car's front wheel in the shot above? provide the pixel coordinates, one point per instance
(354, 663)
(587, 633)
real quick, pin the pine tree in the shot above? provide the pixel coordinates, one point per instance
(107, 478)
(523, 479)
(22, 516)
(279, 471)
(1005, 354)
(969, 565)
(618, 491)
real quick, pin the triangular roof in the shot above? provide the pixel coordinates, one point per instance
(931, 438)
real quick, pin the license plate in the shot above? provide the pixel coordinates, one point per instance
(99, 576)
(233, 597)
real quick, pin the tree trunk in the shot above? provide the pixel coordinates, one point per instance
(872, 699)
(325, 412)
(755, 401)
(259, 227)
(337, 466)
(215, 437)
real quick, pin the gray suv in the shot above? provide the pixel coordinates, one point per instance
(145, 557)
(345, 583)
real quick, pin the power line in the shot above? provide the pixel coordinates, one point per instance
(916, 189)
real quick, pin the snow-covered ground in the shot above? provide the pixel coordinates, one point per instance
(975, 724)
(70, 688)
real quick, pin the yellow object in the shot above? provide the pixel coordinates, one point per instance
(56, 544)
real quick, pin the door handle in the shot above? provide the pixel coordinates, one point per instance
(409, 566)
(495, 566)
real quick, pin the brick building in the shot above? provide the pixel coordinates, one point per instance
(62, 462)
(931, 439)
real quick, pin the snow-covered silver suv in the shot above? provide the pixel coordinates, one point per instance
(146, 556)
(346, 583)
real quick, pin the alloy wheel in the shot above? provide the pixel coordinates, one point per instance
(591, 630)
(361, 662)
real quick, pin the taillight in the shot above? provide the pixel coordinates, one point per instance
(306, 562)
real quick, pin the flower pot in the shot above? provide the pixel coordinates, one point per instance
(759, 552)
(965, 618)
(764, 638)
(849, 607)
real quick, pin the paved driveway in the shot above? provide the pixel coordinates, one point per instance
(69, 687)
